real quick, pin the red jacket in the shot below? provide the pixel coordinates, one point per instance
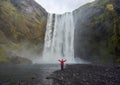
(62, 61)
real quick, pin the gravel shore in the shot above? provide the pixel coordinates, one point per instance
(83, 74)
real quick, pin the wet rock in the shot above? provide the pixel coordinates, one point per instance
(87, 75)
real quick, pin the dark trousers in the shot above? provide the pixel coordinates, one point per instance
(62, 67)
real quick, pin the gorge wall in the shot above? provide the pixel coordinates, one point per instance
(97, 31)
(22, 27)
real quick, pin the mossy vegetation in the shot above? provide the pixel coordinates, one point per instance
(17, 27)
(110, 7)
(115, 39)
(108, 20)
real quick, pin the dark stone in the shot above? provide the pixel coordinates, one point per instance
(88, 75)
(117, 6)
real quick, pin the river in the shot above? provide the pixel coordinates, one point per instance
(26, 74)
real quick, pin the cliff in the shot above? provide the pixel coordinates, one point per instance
(97, 31)
(21, 22)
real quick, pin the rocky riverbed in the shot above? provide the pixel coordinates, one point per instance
(81, 74)
(76, 74)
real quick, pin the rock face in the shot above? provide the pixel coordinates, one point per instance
(95, 36)
(20, 21)
(117, 6)
(97, 29)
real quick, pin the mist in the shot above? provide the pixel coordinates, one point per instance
(27, 50)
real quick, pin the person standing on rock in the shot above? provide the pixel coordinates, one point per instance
(62, 63)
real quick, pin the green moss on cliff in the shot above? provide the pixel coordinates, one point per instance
(3, 57)
(17, 27)
(110, 21)
(13, 22)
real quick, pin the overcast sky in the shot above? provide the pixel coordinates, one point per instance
(61, 6)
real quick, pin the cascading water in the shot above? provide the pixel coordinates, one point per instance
(59, 38)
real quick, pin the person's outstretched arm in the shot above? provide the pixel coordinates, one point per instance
(59, 60)
(65, 60)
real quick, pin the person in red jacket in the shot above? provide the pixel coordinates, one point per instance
(62, 63)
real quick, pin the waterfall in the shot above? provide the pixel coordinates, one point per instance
(59, 38)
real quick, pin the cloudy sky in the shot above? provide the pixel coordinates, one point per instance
(61, 6)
